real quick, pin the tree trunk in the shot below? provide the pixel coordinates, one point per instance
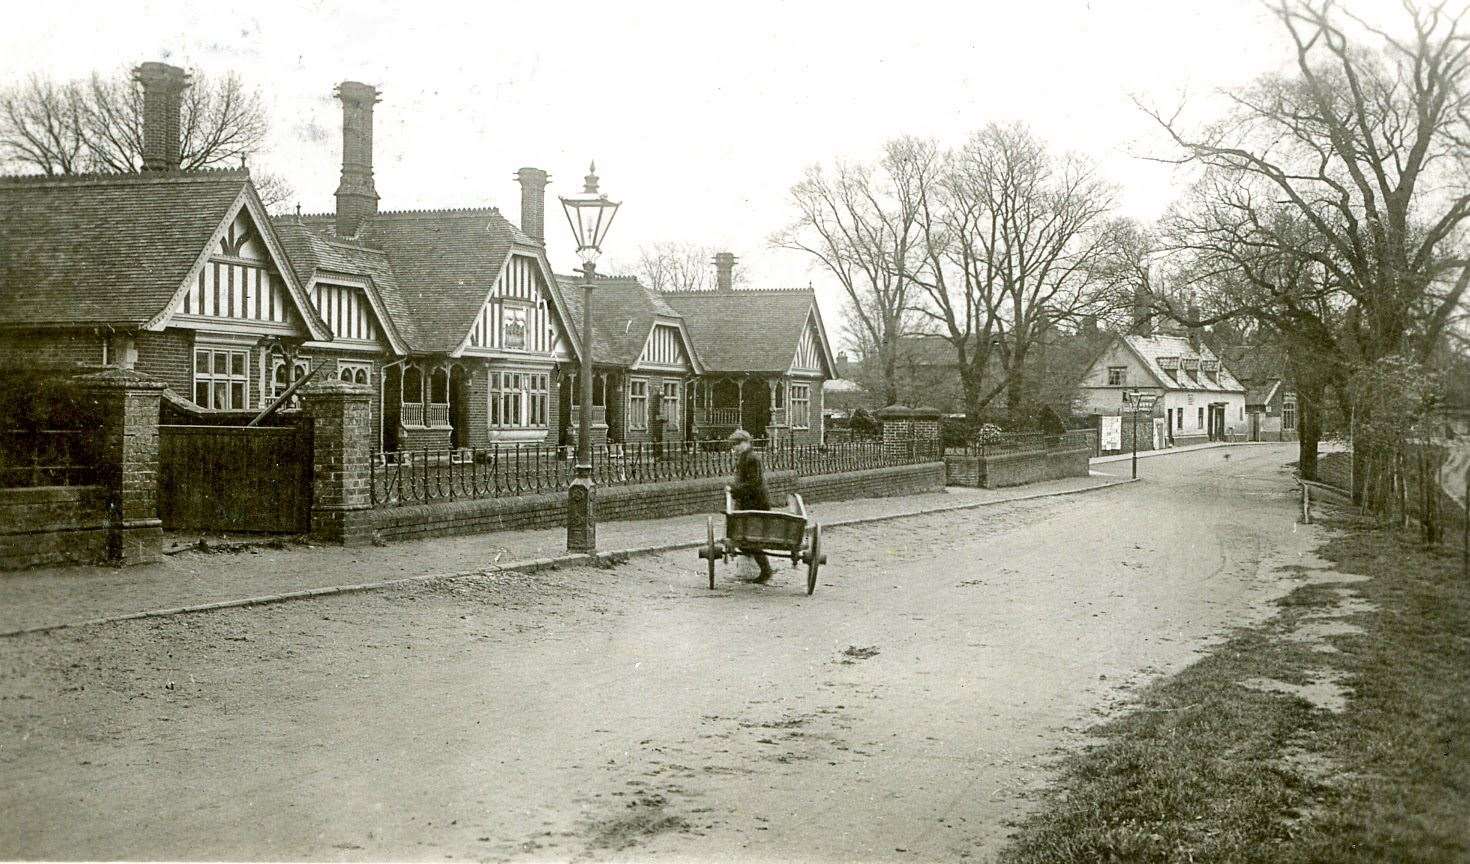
(1308, 433)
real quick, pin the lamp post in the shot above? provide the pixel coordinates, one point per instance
(590, 214)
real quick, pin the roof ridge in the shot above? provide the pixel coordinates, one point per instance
(438, 211)
(715, 292)
(180, 176)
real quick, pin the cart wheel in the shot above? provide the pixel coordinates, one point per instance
(709, 525)
(814, 558)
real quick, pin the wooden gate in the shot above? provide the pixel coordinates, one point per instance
(235, 478)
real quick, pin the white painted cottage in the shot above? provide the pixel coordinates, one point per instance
(1199, 399)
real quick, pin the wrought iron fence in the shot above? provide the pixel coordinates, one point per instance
(48, 457)
(1027, 442)
(425, 476)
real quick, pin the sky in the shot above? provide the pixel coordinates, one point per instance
(700, 116)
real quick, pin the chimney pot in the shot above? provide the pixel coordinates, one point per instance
(357, 197)
(724, 272)
(533, 202)
(163, 88)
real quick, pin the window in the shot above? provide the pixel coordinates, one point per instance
(353, 373)
(519, 400)
(1116, 375)
(669, 410)
(1288, 414)
(637, 404)
(1178, 417)
(1201, 418)
(801, 406)
(220, 382)
(513, 327)
(279, 381)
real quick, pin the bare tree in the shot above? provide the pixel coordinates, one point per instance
(1356, 168)
(1033, 243)
(675, 266)
(856, 223)
(97, 125)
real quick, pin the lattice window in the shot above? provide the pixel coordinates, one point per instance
(220, 380)
(637, 404)
(519, 400)
(669, 410)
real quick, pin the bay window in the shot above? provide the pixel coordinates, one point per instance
(519, 400)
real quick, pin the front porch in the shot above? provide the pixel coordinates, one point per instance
(775, 407)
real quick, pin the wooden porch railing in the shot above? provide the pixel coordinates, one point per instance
(412, 414)
(599, 416)
(718, 416)
(438, 414)
(415, 413)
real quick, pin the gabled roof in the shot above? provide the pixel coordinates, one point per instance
(1263, 393)
(746, 330)
(1149, 349)
(445, 263)
(312, 254)
(105, 249)
(625, 313)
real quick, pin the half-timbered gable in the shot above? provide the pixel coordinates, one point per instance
(665, 349)
(811, 350)
(517, 316)
(238, 284)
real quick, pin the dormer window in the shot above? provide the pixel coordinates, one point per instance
(1169, 364)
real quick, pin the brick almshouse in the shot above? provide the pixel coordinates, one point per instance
(453, 317)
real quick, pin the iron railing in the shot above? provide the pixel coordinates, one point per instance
(424, 476)
(48, 457)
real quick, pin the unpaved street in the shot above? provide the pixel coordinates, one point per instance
(901, 713)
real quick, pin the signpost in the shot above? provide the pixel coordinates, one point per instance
(1140, 402)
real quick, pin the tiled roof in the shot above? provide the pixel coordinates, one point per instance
(624, 312)
(1152, 348)
(744, 331)
(445, 261)
(1260, 394)
(310, 252)
(104, 249)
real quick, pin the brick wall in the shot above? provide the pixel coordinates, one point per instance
(169, 357)
(646, 501)
(51, 349)
(1016, 469)
(53, 525)
(417, 438)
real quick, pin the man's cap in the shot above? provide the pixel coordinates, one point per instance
(739, 435)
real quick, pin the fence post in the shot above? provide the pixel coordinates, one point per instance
(342, 435)
(127, 410)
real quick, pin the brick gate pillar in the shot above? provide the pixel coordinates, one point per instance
(926, 433)
(898, 432)
(126, 405)
(342, 445)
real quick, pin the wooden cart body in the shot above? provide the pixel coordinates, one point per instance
(790, 533)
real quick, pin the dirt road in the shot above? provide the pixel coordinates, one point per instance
(903, 712)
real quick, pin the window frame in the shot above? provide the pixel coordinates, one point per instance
(1120, 373)
(522, 313)
(799, 394)
(518, 399)
(638, 415)
(229, 378)
(358, 372)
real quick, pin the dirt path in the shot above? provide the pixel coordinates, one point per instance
(900, 713)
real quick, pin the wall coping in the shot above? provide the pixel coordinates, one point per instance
(895, 412)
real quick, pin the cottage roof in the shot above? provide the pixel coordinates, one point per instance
(1151, 349)
(1262, 393)
(105, 249)
(747, 330)
(625, 311)
(445, 263)
(312, 253)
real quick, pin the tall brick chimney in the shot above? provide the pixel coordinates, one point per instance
(1196, 333)
(357, 198)
(724, 272)
(163, 87)
(533, 202)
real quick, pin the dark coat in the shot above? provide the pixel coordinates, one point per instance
(749, 488)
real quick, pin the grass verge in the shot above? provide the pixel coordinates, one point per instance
(1211, 767)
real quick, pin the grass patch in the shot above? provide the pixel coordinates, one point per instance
(1207, 768)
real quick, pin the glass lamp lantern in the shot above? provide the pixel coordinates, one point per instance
(590, 214)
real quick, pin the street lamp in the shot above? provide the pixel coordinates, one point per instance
(590, 215)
